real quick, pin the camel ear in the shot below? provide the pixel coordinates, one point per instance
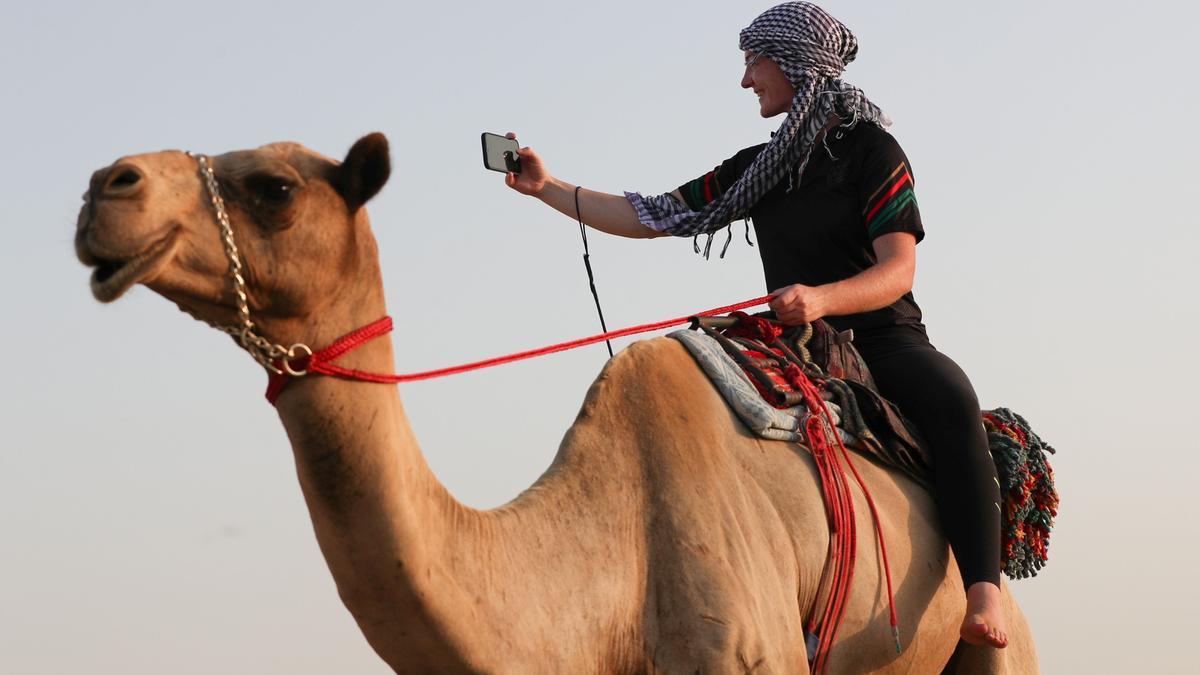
(364, 171)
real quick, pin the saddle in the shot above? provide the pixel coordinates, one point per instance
(876, 428)
(833, 352)
(884, 434)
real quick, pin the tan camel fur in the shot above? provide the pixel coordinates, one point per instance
(663, 538)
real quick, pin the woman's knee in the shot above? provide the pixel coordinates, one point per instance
(947, 383)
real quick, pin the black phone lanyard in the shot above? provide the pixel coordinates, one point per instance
(587, 264)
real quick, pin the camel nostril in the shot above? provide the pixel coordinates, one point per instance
(122, 181)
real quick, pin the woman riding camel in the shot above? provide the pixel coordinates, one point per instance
(831, 200)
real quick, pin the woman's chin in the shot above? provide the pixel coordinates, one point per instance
(767, 110)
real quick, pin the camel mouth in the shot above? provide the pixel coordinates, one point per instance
(112, 278)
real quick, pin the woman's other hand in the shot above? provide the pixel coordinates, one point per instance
(797, 304)
(533, 176)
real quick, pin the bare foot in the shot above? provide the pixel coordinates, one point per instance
(984, 623)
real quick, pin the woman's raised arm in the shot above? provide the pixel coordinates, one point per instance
(602, 211)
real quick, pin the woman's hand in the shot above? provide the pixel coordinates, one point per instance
(876, 287)
(797, 304)
(533, 176)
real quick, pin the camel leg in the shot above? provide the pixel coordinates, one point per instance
(712, 604)
(712, 646)
(714, 609)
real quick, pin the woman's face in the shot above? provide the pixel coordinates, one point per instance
(764, 76)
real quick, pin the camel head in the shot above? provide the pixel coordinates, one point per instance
(303, 237)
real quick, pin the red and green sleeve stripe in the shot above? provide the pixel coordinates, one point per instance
(889, 199)
(701, 191)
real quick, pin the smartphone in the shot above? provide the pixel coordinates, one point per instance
(500, 153)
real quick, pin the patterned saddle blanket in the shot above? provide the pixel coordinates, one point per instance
(744, 357)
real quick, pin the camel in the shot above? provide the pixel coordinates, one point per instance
(663, 538)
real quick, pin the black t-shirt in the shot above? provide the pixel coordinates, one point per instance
(821, 231)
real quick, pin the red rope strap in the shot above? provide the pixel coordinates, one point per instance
(320, 363)
(839, 507)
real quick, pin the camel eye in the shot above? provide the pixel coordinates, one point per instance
(268, 190)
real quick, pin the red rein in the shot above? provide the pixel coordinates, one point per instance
(321, 362)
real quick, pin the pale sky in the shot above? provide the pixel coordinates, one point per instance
(151, 518)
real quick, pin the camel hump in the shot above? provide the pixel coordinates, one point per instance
(646, 372)
(649, 391)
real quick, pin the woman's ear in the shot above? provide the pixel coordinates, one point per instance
(364, 171)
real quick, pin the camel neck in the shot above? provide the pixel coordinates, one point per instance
(378, 512)
(353, 445)
(420, 572)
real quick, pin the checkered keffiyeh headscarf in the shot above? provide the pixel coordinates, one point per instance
(812, 48)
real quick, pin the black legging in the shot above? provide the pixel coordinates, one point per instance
(936, 395)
